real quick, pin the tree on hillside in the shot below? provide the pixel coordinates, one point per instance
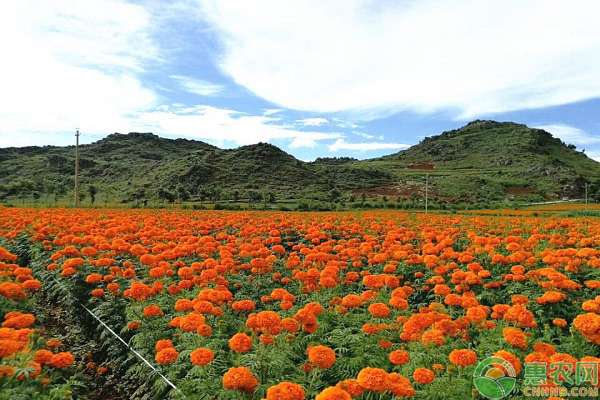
(202, 194)
(334, 195)
(215, 193)
(165, 195)
(254, 196)
(139, 195)
(182, 193)
(92, 191)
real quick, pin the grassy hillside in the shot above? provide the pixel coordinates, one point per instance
(483, 162)
(490, 161)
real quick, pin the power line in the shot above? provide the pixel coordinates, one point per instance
(77, 168)
(426, 193)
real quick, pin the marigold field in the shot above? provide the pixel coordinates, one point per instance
(288, 306)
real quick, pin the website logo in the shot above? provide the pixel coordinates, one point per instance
(494, 378)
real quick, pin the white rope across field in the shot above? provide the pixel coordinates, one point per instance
(137, 354)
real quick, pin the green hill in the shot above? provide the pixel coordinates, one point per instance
(483, 162)
(490, 161)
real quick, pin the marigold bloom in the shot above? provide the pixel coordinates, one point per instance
(351, 386)
(43, 357)
(589, 326)
(62, 360)
(462, 357)
(286, 391)
(399, 357)
(321, 356)
(373, 379)
(559, 322)
(18, 320)
(163, 344)
(240, 378)
(152, 311)
(53, 343)
(400, 385)
(379, 310)
(515, 337)
(333, 393)
(423, 376)
(551, 297)
(166, 356)
(201, 356)
(433, 337)
(240, 343)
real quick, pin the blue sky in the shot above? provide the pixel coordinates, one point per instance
(339, 78)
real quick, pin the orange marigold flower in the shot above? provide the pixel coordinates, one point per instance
(321, 356)
(423, 376)
(53, 343)
(399, 357)
(6, 371)
(290, 325)
(591, 306)
(551, 297)
(243, 305)
(152, 311)
(133, 325)
(166, 356)
(333, 393)
(462, 357)
(515, 337)
(433, 337)
(163, 344)
(373, 379)
(202, 356)
(351, 386)
(93, 278)
(240, 343)
(43, 357)
(589, 326)
(559, 322)
(379, 310)
(544, 348)
(18, 320)
(240, 378)
(352, 301)
(400, 385)
(32, 284)
(204, 330)
(62, 360)
(286, 391)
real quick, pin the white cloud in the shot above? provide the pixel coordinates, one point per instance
(341, 144)
(594, 155)
(68, 64)
(313, 121)
(271, 111)
(570, 134)
(224, 127)
(368, 135)
(374, 57)
(197, 86)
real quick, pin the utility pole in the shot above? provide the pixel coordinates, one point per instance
(426, 192)
(77, 168)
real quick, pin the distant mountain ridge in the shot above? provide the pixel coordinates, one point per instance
(484, 161)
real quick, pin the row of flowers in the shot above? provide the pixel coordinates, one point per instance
(26, 357)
